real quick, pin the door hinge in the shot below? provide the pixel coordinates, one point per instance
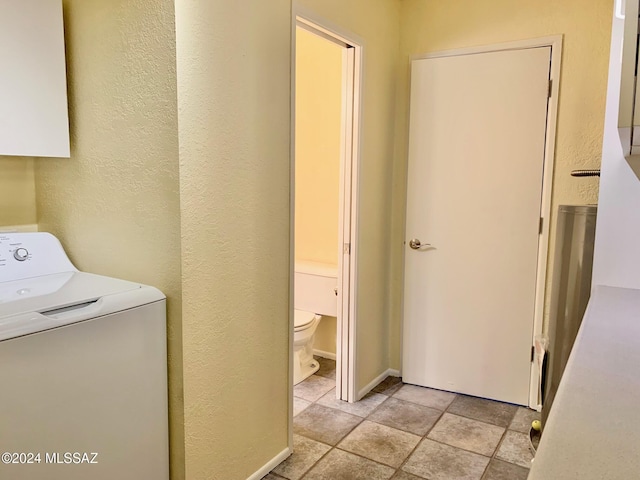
(533, 353)
(550, 88)
(346, 248)
(540, 226)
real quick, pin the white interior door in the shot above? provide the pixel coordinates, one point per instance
(476, 158)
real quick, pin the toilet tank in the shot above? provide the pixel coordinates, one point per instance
(315, 287)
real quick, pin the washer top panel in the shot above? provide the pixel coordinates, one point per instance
(28, 255)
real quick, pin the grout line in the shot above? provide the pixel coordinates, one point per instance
(377, 407)
(484, 421)
(421, 405)
(457, 448)
(276, 475)
(422, 438)
(332, 447)
(317, 461)
(402, 429)
(335, 447)
(476, 420)
(404, 462)
(495, 451)
(366, 458)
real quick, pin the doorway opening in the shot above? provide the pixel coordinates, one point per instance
(326, 76)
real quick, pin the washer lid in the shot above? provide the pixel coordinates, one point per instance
(42, 303)
(302, 318)
(60, 290)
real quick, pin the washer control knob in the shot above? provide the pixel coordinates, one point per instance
(21, 254)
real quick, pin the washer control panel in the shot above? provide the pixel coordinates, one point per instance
(21, 254)
(27, 255)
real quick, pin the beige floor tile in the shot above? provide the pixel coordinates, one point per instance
(339, 465)
(523, 418)
(324, 424)
(406, 416)
(499, 470)
(306, 453)
(515, 449)
(271, 476)
(400, 475)
(299, 404)
(313, 388)
(362, 408)
(427, 397)
(388, 386)
(327, 368)
(458, 445)
(380, 443)
(467, 434)
(435, 461)
(487, 411)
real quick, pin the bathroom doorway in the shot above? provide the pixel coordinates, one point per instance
(326, 101)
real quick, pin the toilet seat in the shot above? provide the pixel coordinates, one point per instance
(302, 319)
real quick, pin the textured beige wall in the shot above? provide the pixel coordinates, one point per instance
(318, 120)
(377, 24)
(17, 191)
(234, 80)
(433, 25)
(115, 203)
(325, 337)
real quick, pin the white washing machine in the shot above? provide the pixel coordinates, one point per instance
(83, 370)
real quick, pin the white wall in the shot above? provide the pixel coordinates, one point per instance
(617, 249)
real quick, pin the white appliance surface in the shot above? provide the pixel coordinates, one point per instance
(40, 303)
(27, 255)
(83, 369)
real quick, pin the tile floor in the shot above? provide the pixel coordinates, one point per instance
(403, 432)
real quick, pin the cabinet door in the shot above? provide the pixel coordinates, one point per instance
(33, 88)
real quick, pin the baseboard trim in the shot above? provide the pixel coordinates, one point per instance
(273, 463)
(374, 383)
(323, 354)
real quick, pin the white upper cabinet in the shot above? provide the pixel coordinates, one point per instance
(34, 118)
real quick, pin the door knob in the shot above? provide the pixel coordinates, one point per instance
(416, 245)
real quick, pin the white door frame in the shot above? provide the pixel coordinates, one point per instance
(555, 42)
(348, 201)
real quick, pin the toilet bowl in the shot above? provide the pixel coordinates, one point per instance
(314, 297)
(304, 365)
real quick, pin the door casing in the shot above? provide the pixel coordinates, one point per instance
(348, 203)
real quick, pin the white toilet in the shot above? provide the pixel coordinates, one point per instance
(315, 296)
